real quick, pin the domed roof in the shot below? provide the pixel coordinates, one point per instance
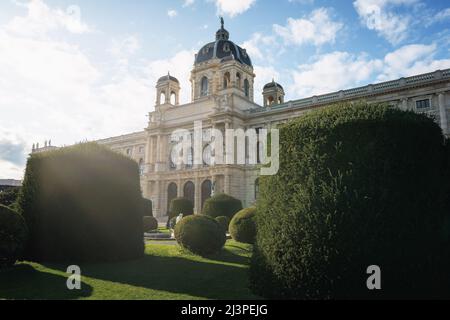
(168, 77)
(223, 49)
(272, 85)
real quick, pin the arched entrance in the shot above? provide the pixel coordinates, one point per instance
(172, 193)
(206, 191)
(189, 192)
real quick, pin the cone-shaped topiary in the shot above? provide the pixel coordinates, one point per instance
(358, 185)
(200, 234)
(222, 205)
(13, 236)
(224, 222)
(150, 224)
(148, 207)
(243, 226)
(181, 206)
(82, 203)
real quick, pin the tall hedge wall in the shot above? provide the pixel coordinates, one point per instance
(358, 186)
(82, 203)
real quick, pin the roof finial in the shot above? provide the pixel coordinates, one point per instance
(222, 22)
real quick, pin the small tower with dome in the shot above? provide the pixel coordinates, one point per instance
(168, 91)
(273, 93)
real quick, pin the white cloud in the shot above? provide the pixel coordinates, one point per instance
(234, 7)
(52, 89)
(188, 3)
(318, 28)
(342, 70)
(379, 16)
(172, 13)
(258, 44)
(41, 19)
(443, 15)
(332, 72)
(179, 67)
(411, 60)
(264, 75)
(125, 46)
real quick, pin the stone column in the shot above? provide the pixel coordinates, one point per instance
(443, 113)
(180, 188)
(226, 186)
(198, 201)
(405, 104)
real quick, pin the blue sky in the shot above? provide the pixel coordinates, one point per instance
(72, 70)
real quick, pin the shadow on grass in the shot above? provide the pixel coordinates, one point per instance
(23, 282)
(178, 275)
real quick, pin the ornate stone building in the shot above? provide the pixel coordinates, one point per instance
(223, 94)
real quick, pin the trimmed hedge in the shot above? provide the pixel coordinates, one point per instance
(224, 222)
(13, 236)
(222, 205)
(358, 186)
(180, 205)
(243, 226)
(150, 224)
(148, 207)
(82, 203)
(200, 234)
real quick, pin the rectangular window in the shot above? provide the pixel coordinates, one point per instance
(423, 104)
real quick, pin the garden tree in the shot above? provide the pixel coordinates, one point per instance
(243, 226)
(13, 235)
(222, 205)
(359, 185)
(82, 203)
(9, 196)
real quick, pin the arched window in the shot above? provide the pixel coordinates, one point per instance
(173, 98)
(189, 192)
(226, 80)
(238, 80)
(247, 88)
(162, 98)
(204, 87)
(206, 191)
(280, 100)
(257, 189)
(270, 100)
(172, 193)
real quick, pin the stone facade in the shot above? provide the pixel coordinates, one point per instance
(223, 98)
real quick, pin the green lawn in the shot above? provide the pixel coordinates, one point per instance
(166, 272)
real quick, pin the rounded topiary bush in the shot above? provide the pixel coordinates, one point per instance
(222, 205)
(150, 224)
(82, 204)
(181, 205)
(200, 234)
(358, 186)
(13, 236)
(147, 207)
(243, 226)
(224, 222)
